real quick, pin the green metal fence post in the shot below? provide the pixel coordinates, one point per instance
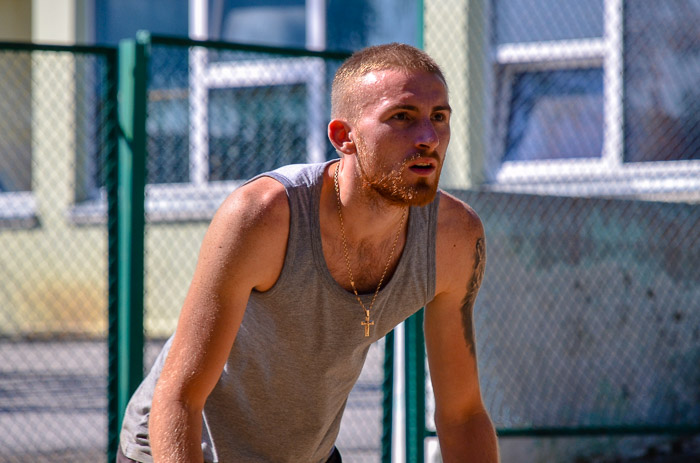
(414, 344)
(388, 397)
(111, 180)
(415, 388)
(133, 57)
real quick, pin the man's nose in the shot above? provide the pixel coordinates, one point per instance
(427, 137)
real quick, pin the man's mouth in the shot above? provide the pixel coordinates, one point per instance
(422, 167)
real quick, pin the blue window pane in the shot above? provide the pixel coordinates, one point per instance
(542, 20)
(556, 115)
(338, 16)
(121, 19)
(283, 22)
(254, 129)
(168, 138)
(168, 115)
(274, 22)
(662, 81)
(15, 130)
(371, 22)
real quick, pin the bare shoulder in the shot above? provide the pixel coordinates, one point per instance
(458, 223)
(257, 202)
(460, 238)
(251, 229)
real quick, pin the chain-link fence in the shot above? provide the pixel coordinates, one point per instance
(59, 108)
(575, 136)
(572, 98)
(218, 115)
(589, 317)
(576, 129)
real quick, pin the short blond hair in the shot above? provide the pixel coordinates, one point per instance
(345, 101)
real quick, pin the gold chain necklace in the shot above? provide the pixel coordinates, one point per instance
(367, 322)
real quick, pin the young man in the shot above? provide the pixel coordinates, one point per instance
(304, 267)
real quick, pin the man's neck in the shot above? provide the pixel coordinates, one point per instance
(366, 215)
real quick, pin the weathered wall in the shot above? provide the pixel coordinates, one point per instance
(589, 313)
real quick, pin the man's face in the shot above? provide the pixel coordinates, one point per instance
(401, 134)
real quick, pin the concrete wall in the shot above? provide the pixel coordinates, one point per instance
(589, 314)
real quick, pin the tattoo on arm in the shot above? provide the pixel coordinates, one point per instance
(472, 290)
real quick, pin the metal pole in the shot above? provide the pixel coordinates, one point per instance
(420, 24)
(111, 179)
(415, 388)
(414, 364)
(388, 397)
(133, 56)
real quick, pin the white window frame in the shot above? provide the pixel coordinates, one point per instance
(199, 198)
(17, 209)
(288, 71)
(605, 175)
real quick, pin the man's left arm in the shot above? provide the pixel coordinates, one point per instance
(464, 428)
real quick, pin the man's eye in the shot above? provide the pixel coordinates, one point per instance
(400, 116)
(440, 117)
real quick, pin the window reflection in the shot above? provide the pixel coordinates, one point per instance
(16, 131)
(278, 22)
(662, 80)
(520, 21)
(556, 115)
(248, 134)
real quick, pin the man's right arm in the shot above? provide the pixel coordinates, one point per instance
(243, 249)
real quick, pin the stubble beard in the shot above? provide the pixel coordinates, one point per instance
(391, 186)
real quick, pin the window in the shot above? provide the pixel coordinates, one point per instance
(121, 19)
(233, 115)
(109, 22)
(278, 22)
(253, 115)
(318, 24)
(662, 81)
(16, 199)
(217, 118)
(555, 114)
(595, 96)
(248, 136)
(16, 131)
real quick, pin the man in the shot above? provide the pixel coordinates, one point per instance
(304, 267)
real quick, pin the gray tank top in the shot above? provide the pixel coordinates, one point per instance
(300, 347)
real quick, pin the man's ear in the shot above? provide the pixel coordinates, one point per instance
(339, 135)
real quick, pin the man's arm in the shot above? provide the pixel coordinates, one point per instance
(242, 250)
(463, 426)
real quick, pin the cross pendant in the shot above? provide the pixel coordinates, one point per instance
(367, 323)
